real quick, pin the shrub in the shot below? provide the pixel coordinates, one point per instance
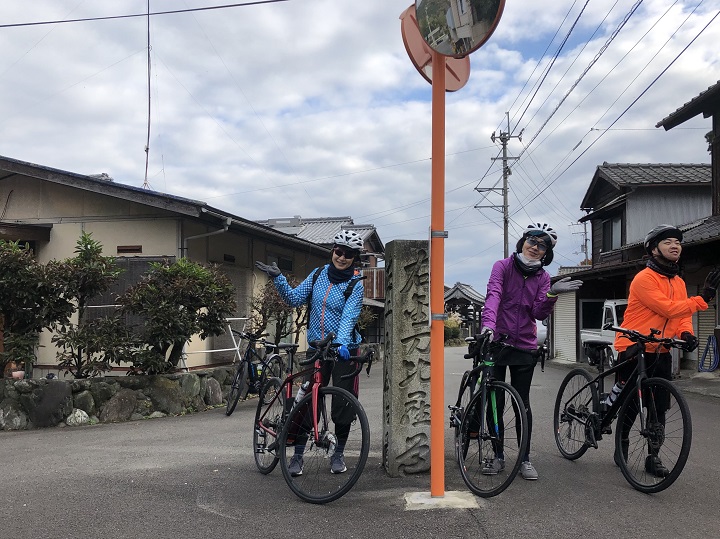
(87, 348)
(176, 301)
(32, 298)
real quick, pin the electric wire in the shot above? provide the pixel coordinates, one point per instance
(135, 15)
(539, 62)
(552, 63)
(597, 57)
(647, 88)
(617, 64)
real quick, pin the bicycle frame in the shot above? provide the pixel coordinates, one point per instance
(286, 392)
(608, 415)
(476, 379)
(313, 374)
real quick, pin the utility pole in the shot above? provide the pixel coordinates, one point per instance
(504, 137)
(584, 246)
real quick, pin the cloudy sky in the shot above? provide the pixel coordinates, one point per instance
(313, 108)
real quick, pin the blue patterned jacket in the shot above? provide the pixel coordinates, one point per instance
(329, 310)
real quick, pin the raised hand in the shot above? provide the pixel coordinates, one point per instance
(565, 285)
(272, 271)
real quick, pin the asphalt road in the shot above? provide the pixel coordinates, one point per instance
(194, 477)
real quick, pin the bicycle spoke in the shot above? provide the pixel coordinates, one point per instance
(575, 403)
(267, 425)
(342, 428)
(492, 440)
(656, 436)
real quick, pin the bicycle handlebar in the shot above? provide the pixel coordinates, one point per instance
(323, 349)
(636, 336)
(326, 350)
(485, 344)
(255, 339)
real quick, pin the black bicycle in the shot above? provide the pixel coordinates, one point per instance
(484, 411)
(313, 419)
(653, 425)
(253, 368)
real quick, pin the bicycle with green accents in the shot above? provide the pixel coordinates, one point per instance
(487, 409)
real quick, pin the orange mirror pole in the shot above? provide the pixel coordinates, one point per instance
(437, 281)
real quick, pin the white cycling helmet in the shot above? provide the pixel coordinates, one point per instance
(537, 229)
(350, 239)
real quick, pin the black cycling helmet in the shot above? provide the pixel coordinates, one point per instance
(659, 233)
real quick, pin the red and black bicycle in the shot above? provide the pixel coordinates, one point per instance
(307, 435)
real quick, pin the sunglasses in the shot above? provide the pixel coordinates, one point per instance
(339, 251)
(541, 245)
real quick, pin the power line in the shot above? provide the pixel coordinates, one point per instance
(112, 17)
(588, 68)
(552, 63)
(635, 100)
(577, 106)
(539, 61)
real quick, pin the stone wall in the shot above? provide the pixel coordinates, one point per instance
(30, 403)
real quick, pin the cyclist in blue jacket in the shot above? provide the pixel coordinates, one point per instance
(330, 312)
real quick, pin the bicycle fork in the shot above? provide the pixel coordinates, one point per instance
(495, 426)
(456, 411)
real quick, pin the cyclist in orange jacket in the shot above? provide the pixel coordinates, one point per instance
(658, 299)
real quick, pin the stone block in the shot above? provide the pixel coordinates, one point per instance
(406, 366)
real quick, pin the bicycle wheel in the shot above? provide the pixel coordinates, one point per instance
(268, 422)
(491, 414)
(573, 407)
(274, 366)
(662, 430)
(339, 415)
(239, 387)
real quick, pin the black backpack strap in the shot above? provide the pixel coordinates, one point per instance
(351, 285)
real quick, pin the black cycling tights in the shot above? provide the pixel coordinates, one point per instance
(520, 378)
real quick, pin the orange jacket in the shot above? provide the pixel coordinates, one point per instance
(658, 302)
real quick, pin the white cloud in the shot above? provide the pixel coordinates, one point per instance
(313, 108)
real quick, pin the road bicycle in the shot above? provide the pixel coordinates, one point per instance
(484, 411)
(318, 421)
(253, 368)
(653, 421)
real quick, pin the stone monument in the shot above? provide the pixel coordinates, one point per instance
(406, 367)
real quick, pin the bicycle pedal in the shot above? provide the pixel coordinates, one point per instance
(607, 430)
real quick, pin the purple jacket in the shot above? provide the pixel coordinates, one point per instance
(514, 302)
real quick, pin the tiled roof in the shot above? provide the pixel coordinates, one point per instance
(626, 174)
(322, 230)
(706, 102)
(464, 291)
(705, 230)
(102, 183)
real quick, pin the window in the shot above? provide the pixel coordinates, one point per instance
(283, 262)
(134, 268)
(591, 313)
(612, 238)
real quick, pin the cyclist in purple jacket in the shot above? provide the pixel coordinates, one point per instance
(518, 294)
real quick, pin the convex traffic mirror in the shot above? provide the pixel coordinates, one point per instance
(457, 27)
